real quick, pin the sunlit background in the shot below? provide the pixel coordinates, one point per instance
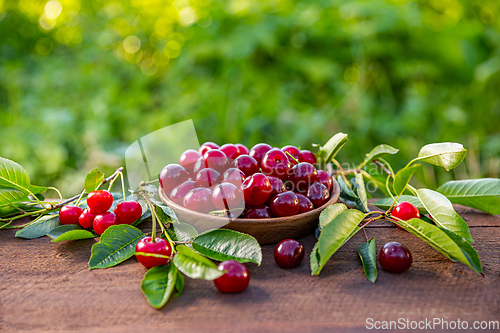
(81, 80)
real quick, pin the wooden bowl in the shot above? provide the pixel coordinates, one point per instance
(266, 231)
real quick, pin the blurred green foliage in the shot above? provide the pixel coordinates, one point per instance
(81, 80)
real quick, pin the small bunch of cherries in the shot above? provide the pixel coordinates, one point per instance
(96, 216)
(272, 182)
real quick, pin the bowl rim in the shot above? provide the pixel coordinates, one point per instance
(334, 196)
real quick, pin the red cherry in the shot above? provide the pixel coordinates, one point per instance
(259, 212)
(171, 176)
(216, 160)
(86, 220)
(198, 165)
(236, 278)
(128, 211)
(188, 159)
(394, 257)
(207, 146)
(318, 194)
(277, 187)
(160, 246)
(177, 195)
(259, 150)
(307, 156)
(325, 179)
(199, 200)
(305, 204)
(289, 253)
(70, 214)
(285, 204)
(302, 176)
(104, 221)
(226, 196)
(405, 211)
(207, 178)
(99, 201)
(234, 176)
(230, 150)
(256, 189)
(275, 163)
(292, 150)
(242, 148)
(247, 164)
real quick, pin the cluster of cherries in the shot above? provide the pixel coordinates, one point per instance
(96, 216)
(272, 182)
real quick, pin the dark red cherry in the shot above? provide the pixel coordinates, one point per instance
(285, 204)
(198, 165)
(302, 176)
(99, 201)
(294, 151)
(236, 278)
(86, 220)
(405, 211)
(70, 214)
(307, 156)
(199, 200)
(305, 204)
(234, 176)
(289, 253)
(160, 246)
(247, 164)
(177, 195)
(243, 149)
(325, 179)
(188, 160)
(171, 176)
(216, 160)
(207, 146)
(230, 150)
(226, 196)
(104, 221)
(277, 187)
(275, 163)
(259, 150)
(256, 189)
(128, 211)
(207, 178)
(318, 194)
(394, 257)
(258, 212)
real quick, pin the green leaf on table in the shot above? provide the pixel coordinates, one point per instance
(443, 213)
(346, 191)
(331, 147)
(116, 245)
(403, 177)
(39, 228)
(385, 203)
(444, 241)
(93, 180)
(69, 232)
(165, 213)
(315, 260)
(380, 151)
(368, 257)
(11, 196)
(144, 217)
(447, 154)
(181, 232)
(13, 175)
(482, 194)
(195, 265)
(329, 213)
(362, 203)
(158, 284)
(37, 189)
(179, 283)
(224, 244)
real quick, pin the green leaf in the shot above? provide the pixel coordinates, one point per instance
(329, 213)
(379, 151)
(195, 265)
(387, 202)
(440, 240)
(158, 284)
(93, 180)
(181, 232)
(69, 232)
(13, 175)
(346, 191)
(482, 194)
(12, 196)
(362, 203)
(39, 228)
(315, 260)
(447, 155)
(332, 147)
(223, 244)
(117, 244)
(165, 213)
(143, 218)
(179, 283)
(403, 177)
(443, 213)
(368, 257)
(37, 189)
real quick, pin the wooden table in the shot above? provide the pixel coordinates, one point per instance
(47, 286)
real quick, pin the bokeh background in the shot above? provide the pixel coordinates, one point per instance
(81, 80)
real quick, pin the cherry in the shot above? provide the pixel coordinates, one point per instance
(128, 211)
(292, 150)
(199, 200)
(394, 257)
(325, 179)
(405, 211)
(305, 204)
(70, 214)
(216, 160)
(275, 163)
(207, 178)
(104, 221)
(188, 159)
(171, 176)
(242, 148)
(259, 150)
(302, 176)
(86, 220)
(318, 194)
(289, 253)
(177, 195)
(234, 176)
(226, 196)
(247, 164)
(236, 278)
(259, 212)
(160, 246)
(277, 186)
(230, 150)
(256, 189)
(207, 146)
(307, 156)
(285, 204)
(198, 165)
(99, 201)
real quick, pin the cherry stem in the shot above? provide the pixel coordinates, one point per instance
(123, 187)
(153, 229)
(293, 158)
(366, 236)
(341, 171)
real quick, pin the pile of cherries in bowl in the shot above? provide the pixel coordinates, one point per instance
(257, 183)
